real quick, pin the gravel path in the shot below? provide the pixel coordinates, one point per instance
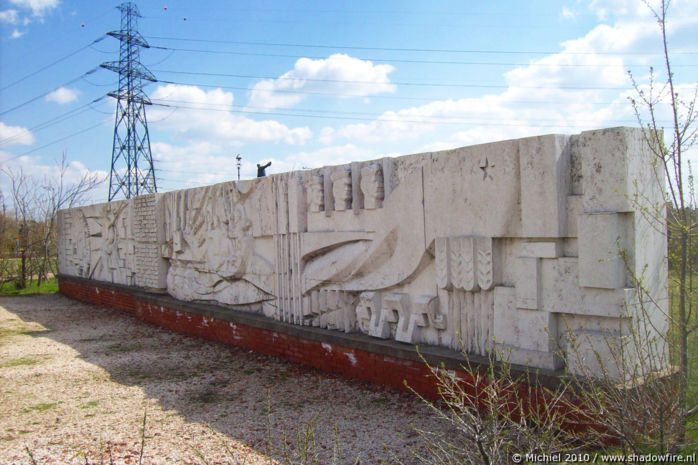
(76, 381)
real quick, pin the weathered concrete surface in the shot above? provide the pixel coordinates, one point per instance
(510, 246)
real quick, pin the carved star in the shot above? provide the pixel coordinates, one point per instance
(484, 165)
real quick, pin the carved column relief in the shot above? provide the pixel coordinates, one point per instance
(288, 277)
(330, 309)
(316, 193)
(372, 186)
(341, 188)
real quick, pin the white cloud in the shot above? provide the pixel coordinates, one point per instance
(338, 74)
(579, 88)
(16, 34)
(62, 95)
(201, 163)
(567, 13)
(334, 155)
(15, 135)
(326, 135)
(40, 170)
(9, 16)
(208, 115)
(38, 7)
(194, 164)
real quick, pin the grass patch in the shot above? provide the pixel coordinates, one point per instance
(90, 404)
(16, 362)
(49, 286)
(692, 304)
(42, 407)
(124, 347)
(9, 332)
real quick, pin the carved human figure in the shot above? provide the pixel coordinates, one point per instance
(341, 188)
(228, 250)
(372, 186)
(109, 249)
(316, 193)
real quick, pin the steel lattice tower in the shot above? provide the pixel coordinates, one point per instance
(132, 169)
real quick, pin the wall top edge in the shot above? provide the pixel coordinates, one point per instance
(246, 184)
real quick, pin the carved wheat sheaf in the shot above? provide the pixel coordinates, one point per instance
(463, 262)
(443, 280)
(484, 263)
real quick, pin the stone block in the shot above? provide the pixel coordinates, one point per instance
(528, 283)
(600, 354)
(477, 200)
(545, 180)
(618, 170)
(548, 249)
(526, 329)
(603, 240)
(529, 358)
(575, 208)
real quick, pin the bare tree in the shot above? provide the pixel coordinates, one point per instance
(36, 203)
(670, 149)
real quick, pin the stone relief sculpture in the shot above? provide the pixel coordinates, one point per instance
(341, 188)
(316, 194)
(210, 248)
(372, 186)
(478, 248)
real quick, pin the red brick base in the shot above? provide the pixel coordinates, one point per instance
(360, 364)
(385, 362)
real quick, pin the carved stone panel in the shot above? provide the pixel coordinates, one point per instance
(316, 193)
(341, 188)
(463, 264)
(372, 186)
(452, 248)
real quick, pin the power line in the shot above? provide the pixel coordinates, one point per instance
(77, 133)
(43, 68)
(397, 60)
(424, 50)
(400, 83)
(475, 122)
(293, 112)
(34, 99)
(58, 119)
(389, 97)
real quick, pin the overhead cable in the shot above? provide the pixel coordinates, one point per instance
(43, 68)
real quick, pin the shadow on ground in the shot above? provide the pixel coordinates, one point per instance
(205, 402)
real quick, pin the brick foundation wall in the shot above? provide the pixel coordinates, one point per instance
(383, 362)
(368, 366)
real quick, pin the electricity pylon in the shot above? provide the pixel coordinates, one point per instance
(132, 171)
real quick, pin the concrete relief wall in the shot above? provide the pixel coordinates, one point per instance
(512, 245)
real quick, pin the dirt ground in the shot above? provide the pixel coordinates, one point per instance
(77, 382)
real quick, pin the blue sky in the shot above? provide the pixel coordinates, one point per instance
(309, 83)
